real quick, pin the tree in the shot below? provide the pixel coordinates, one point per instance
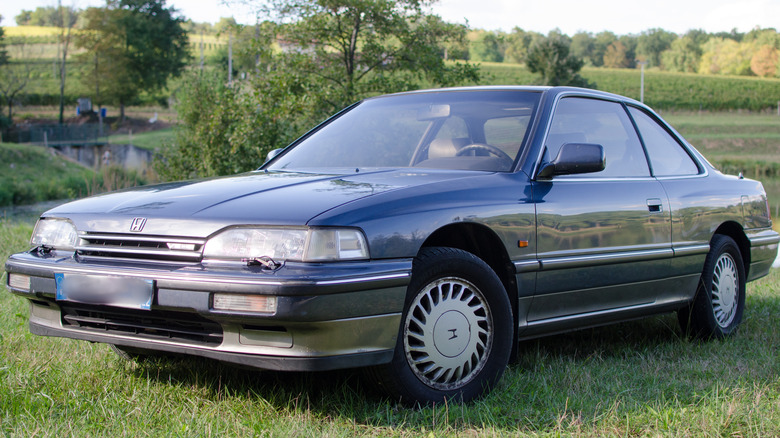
(517, 44)
(15, 75)
(683, 56)
(726, 57)
(488, 47)
(47, 16)
(136, 45)
(3, 51)
(222, 129)
(338, 51)
(615, 56)
(764, 61)
(600, 44)
(550, 58)
(66, 20)
(651, 43)
(583, 45)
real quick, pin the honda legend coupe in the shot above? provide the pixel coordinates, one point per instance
(421, 235)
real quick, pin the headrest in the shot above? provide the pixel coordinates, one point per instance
(446, 147)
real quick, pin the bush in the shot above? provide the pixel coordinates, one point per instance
(223, 130)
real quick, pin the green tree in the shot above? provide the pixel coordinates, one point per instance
(488, 47)
(550, 58)
(517, 43)
(136, 45)
(583, 45)
(683, 56)
(222, 129)
(600, 44)
(16, 74)
(338, 51)
(3, 51)
(48, 16)
(651, 43)
(726, 56)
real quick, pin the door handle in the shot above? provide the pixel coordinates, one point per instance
(654, 205)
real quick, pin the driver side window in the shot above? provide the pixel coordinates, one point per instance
(584, 120)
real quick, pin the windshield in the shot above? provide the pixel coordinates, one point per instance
(466, 130)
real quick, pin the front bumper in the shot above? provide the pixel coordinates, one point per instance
(328, 316)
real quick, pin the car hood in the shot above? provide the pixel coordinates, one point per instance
(201, 207)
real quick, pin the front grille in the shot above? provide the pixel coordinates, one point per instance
(164, 248)
(179, 327)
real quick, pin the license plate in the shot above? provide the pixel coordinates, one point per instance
(127, 292)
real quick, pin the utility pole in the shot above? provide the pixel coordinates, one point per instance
(230, 59)
(642, 81)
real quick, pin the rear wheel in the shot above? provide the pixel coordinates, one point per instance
(456, 331)
(717, 308)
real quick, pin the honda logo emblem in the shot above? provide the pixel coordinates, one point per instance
(138, 224)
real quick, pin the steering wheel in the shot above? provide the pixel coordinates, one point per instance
(487, 148)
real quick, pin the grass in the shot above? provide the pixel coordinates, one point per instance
(634, 379)
(34, 174)
(148, 140)
(21, 180)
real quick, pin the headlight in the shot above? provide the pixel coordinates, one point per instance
(55, 233)
(279, 244)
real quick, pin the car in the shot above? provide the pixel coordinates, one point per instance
(419, 235)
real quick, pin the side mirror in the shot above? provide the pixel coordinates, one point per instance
(271, 155)
(575, 158)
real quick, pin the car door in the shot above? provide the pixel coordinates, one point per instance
(686, 184)
(604, 238)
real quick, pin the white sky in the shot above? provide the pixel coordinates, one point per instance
(570, 16)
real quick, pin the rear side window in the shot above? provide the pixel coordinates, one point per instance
(667, 155)
(583, 120)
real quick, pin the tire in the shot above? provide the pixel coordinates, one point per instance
(717, 308)
(456, 331)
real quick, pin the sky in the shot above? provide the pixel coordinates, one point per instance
(570, 16)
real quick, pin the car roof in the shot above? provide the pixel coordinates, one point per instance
(548, 90)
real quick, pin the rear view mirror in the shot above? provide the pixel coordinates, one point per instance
(432, 112)
(575, 158)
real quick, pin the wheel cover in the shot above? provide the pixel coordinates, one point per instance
(725, 290)
(448, 333)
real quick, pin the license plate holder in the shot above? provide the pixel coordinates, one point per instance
(108, 290)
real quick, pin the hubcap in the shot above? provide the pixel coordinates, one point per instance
(448, 333)
(725, 290)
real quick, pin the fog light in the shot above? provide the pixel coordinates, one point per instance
(19, 281)
(245, 303)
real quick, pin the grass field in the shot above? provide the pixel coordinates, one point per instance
(634, 379)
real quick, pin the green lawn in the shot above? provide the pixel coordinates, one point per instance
(635, 379)
(148, 140)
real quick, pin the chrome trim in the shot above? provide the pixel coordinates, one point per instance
(588, 314)
(604, 259)
(527, 266)
(198, 276)
(688, 250)
(364, 279)
(767, 240)
(138, 238)
(154, 252)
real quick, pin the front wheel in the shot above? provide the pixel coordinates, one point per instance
(456, 331)
(717, 308)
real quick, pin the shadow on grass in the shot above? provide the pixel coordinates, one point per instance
(578, 377)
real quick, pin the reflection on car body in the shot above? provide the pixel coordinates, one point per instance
(420, 235)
